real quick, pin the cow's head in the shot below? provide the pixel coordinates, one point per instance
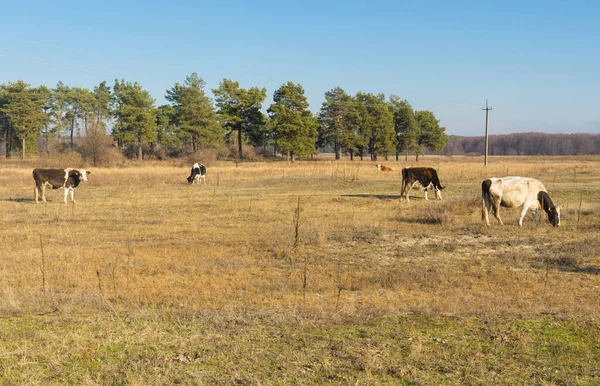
(378, 166)
(84, 174)
(554, 216)
(190, 180)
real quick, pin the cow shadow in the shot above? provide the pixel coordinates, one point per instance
(20, 199)
(377, 196)
(591, 270)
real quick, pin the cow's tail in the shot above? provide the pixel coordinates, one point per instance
(485, 198)
(404, 181)
(35, 185)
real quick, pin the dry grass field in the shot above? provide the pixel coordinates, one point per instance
(147, 280)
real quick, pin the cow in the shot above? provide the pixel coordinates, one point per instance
(515, 192)
(383, 168)
(198, 173)
(427, 178)
(68, 179)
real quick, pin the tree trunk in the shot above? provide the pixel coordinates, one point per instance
(46, 142)
(140, 152)
(406, 155)
(337, 150)
(287, 155)
(23, 148)
(397, 155)
(417, 158)
(351, 155)
(58, 127)
(240, 143)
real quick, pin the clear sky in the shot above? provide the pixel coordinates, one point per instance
(538, 62)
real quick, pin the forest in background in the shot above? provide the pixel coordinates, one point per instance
(124, 117)
(525, 144)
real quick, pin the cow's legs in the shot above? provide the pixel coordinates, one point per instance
(485, 209)
(44, 192)
(438, 194)
(72, 191)
(404, 191)
(523, 213)
(65, 195)
(535, 217)
(426, 195)
(35, 194)
(496, 208)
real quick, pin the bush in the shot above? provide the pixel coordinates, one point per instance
(96, 147)
(207, 156)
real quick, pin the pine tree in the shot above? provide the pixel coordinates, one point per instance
(22, 109)
(294, 127)
(239, 111)
(135, 115)
(431, 135)
(196, 116)
(339, 122)
(405, 126)
(376, 124)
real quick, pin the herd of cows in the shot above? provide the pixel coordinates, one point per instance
(509, 192)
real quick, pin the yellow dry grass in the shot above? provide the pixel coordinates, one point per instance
(139, 240)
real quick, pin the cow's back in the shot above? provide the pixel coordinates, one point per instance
(55, 177)
(515, 191)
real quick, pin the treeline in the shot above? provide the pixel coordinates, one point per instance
(125, 116)
(526, 144)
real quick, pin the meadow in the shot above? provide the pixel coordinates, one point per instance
(298, 273)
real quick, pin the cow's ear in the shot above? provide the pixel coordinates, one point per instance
(88, 172)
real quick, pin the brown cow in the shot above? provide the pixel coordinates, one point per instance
(425, 177)
(383, 168)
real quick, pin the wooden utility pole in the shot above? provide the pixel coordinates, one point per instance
(487, 121)
(23, 149)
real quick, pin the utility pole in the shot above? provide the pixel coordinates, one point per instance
(487, 121)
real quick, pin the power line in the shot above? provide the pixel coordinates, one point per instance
(487, 121)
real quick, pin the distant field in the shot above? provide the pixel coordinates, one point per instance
(147, 280)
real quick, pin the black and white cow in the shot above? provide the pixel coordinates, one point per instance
(427, 178)
(198, 173)
(515, 192)
(68, 179)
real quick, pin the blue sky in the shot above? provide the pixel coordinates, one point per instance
(538, 62)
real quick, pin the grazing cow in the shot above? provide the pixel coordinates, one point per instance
(198, 173)
(427, 178)
(515, 192)
(68, 179)
(383, 168)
